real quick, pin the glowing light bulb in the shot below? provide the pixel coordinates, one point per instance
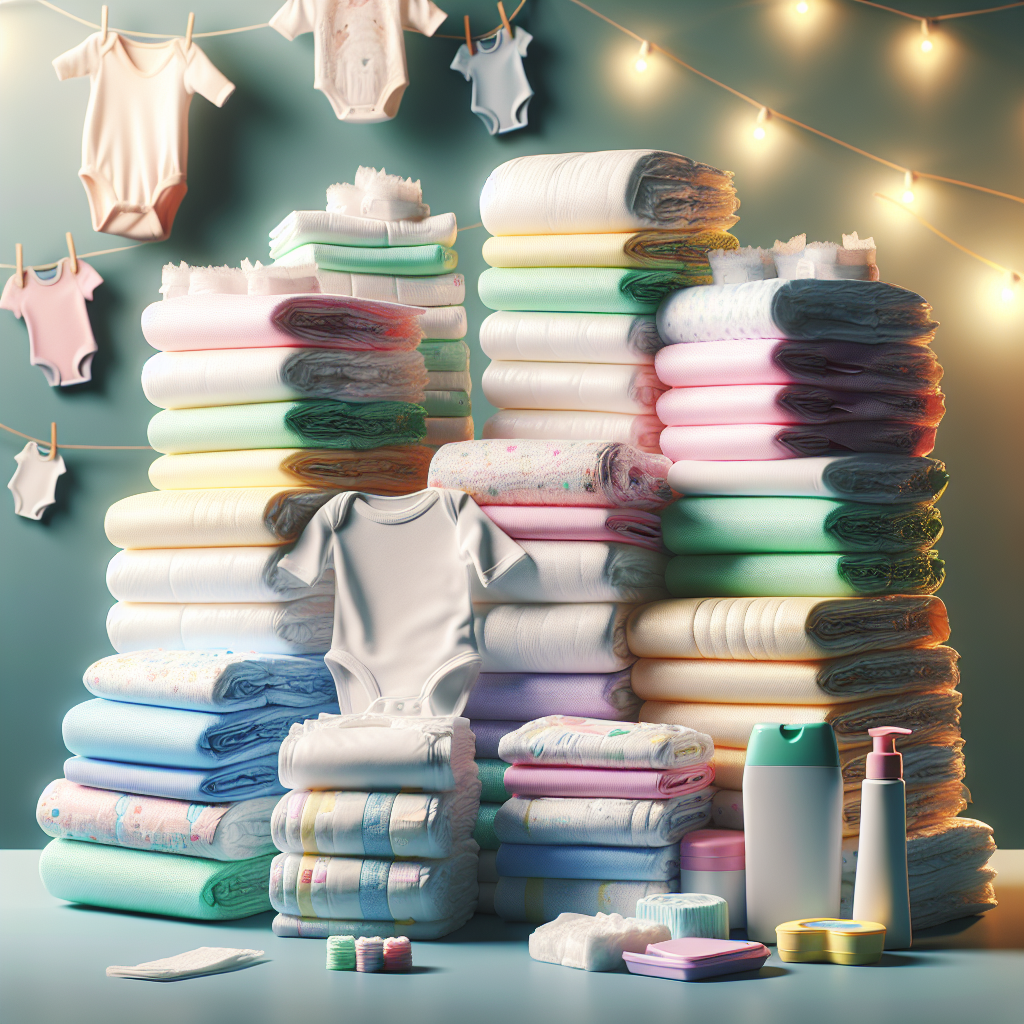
(1011, 285)
(641, 60)
(802, 8)
(908, 186)
(926, 43)
(763, 116)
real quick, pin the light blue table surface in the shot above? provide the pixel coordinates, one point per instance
(53, 958)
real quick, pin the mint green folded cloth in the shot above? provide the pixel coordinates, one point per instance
(155, 883)
(315, 423)
(401, 260)
(853, 575)
(577, 289)
(484, 834)
(710, 525)
(444, 356)
(492, 774)
(447, 403)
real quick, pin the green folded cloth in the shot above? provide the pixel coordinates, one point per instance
(155, 883)
(855, 575)
(484, 834)
(401, 260)
(447, 403)
(316, 423)
(577, 289)
(492, 771)
(444, 356)
(709, 525)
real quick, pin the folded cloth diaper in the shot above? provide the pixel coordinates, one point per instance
(207, 575)
(543, 899)
(440, 322)
(302, 227)
(600, 387)
(373, 889)
(445, 356)
(785, 628)
(578, 571)
(836, 681)
(211, 680)
(400, 260)
(303, 626)
(712, 525)
(587, 473)
(185, 380)
(552, 637)
(642, 432)
(520, 860)
(878, 479)
(439, 290)
(443, 430)
(379, 753)
(391, 469)
(177, 738)
(601, 821)
(483, 832)
(868, 312)
(244, 780)
(448, 402)
(592, 743)
(212, 517)
(513, 695)
(489, 733)
(155, 883)
(492, 772)
(233, 831)
(271, 321)
(570, 337)
(611, 190)
(620, 783)
(566, 523)
(376, 824)
(288, 926)
(593, 943)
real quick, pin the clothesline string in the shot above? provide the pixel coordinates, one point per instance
(92, 447)
(81, 256)
(939, 17)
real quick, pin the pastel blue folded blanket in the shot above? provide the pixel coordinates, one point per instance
(176, 738)
(244, 780)
(520, 860)
(211, 680)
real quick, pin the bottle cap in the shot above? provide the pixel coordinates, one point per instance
(884, 761)
(773, 744)
(712, 849)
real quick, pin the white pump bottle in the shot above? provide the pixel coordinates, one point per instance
(881, 891)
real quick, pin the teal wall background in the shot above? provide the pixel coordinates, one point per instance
(276, 145)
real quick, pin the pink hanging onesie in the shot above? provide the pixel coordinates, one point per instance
(60, 340)
(135, 142)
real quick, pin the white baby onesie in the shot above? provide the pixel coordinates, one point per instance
(35, 481)
(359, 52)
(403, 615)
(135, 142)
(501, 92)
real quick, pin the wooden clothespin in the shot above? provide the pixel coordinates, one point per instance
(188, 30)
(71, 252)
(103, 23)
(19, 263)
(504, 19)
(469, 36)
(53, 443)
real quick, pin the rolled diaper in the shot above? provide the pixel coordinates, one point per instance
(593, 943)
(687, 914)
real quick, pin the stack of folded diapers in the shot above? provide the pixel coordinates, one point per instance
(376, 834)
(377, 240)
(595, 815)
(800, 411)
(584, 247)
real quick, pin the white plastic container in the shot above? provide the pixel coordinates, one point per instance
(881, 892)
(792, 826)
(711, 861)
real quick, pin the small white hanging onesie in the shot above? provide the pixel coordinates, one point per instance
(34, 482)
(135, 142)
(359, 52)
(501, 91)
(403, 614)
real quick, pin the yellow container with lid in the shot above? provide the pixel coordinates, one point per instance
(830, 940)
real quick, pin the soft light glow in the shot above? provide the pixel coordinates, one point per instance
(641, 60)
(908, 186)
(1011, 286)
(763, 116)
(926, 43)
(802, 8)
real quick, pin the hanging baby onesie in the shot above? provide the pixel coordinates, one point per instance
(34, 481)
(403, 614)
(501, 92)
(60, 340)
(135, 142)
(359, 52)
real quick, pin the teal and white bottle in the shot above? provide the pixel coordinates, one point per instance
(792, 826)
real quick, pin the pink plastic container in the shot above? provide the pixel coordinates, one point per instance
(691, 959)
(711, 860)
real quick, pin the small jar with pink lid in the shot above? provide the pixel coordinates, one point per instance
(712, 861)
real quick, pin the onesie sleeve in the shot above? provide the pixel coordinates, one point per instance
(202, 77)
(11, 297)
(308, 560)
(421, 16)
(462, 61)
(294, 18)
(87, 279)
(482, 542)
(82, 59)
(522, 40)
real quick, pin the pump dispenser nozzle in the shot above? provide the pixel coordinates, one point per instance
(885, 761)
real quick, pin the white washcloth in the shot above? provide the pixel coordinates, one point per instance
(570, 337)
(641, 432)
(439, 290)
(594, 943)
(332, 228)
(193, 964)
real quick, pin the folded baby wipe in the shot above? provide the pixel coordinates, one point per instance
(593, 943)
(193, 964)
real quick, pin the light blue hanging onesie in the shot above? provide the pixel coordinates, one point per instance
(501, 92)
